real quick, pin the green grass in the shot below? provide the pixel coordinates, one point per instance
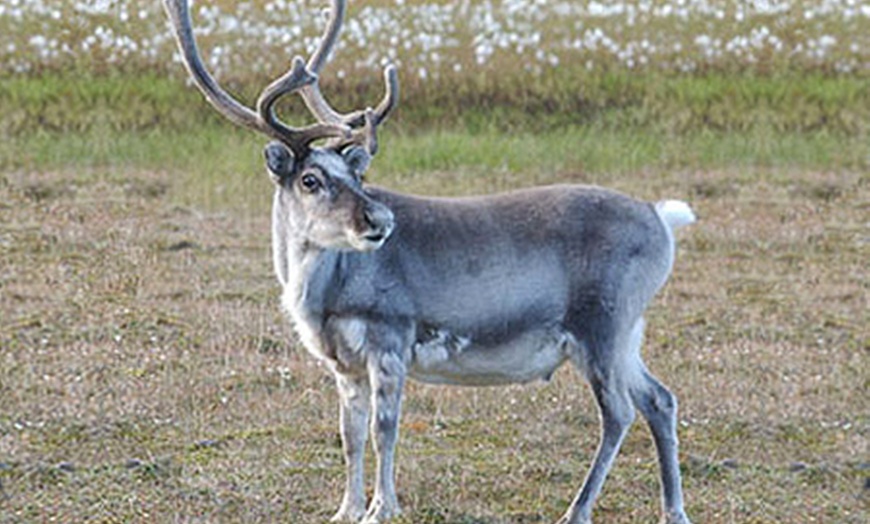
(671, 104)
(612, 124)
(223, 166)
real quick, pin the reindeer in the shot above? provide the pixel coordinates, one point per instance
(472, 291)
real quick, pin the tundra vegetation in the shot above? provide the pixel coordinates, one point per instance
(147, 375)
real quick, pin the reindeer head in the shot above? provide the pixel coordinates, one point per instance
(323, 201)
(319, 190)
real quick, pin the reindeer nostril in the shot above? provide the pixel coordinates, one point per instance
(376, 218)
(371, 219)
(379, 221)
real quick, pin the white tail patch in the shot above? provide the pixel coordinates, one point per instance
(675, 213)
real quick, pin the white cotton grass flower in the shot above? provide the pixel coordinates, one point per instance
(260, 36)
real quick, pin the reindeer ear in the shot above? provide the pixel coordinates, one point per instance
(279, 161)
(357, 159)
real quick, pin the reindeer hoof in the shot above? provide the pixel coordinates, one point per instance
(381, 511)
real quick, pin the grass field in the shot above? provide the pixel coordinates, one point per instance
(147, 375)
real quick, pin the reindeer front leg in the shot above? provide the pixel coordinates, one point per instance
(354, 393)
(386, 369)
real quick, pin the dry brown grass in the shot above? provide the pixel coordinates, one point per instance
(146, 374)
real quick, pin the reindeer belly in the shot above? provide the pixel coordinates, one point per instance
(440, 357)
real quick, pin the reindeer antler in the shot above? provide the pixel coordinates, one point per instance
(366, 129)
(356, 127)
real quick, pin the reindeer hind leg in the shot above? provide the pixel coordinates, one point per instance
(610, 364)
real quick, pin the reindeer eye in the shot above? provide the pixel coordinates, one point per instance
(310, 182)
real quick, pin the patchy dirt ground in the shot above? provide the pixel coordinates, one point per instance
(146, 374)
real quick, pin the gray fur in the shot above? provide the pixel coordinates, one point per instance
(475, 291)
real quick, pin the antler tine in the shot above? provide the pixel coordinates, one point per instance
(321, 109)
(179, 15)
(264, 120)
(391, 96)
(365, 123)
(311, 93)
(330, 36)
